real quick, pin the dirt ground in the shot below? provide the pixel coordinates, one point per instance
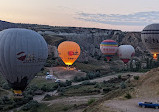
(115, 105)
(40, 97)
(147, 89)
(65, 74)
(67, 100)
(129, 105)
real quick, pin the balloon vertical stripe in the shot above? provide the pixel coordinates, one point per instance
(23, 53)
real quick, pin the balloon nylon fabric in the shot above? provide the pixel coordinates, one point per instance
(69, 52)
(22, 54)
(126, 52)
(108, 47)
(150, 38)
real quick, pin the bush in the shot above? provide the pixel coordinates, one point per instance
(128, 96)
(68, 83)
(105, 59)
(47, 65)
(97, 86)
(61, 89)
(90, 75)
(31, 105)
(90, 101)
(6, 100)
(85, 62)
(88, 83)
(136, 77)
(47, 96)
(106, 90)
(65, 108)
(75, 79)
(6, 86)
(97, 74)
(7, 103)
(44, 88)
(27, 98)
(105, 82)
(119, 76)
(1, 102)
(62, 84)
(122, 85)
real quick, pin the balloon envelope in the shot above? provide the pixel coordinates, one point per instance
(109, 48)
(150, 38)
(69, 52)
(126, 52)
(22, 54)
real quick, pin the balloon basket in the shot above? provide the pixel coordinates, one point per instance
(18, 94)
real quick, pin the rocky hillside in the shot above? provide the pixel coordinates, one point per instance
(145, 89)
(88, 38)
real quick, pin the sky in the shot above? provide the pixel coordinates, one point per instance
(125, 15)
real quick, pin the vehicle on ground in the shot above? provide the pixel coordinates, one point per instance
(58, 80)
(148, 105)
(50, 77)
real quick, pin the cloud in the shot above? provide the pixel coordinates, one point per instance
(135, 19)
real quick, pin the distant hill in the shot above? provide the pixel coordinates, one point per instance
(5, 25)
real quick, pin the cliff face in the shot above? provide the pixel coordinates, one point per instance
(89, 39)
(90, 43)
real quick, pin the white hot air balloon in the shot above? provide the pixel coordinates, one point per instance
(150, 38)
(22, 54)
(126, 52)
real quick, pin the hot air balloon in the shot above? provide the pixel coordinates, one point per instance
(150, 38)
(23, 53)
(126, 52)
(69, 52)
(109, 48)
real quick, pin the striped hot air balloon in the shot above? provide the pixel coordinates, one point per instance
(109, 48)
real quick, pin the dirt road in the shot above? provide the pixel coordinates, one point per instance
(40, 97)
(106, 78)
(129, 105)
(73, 99)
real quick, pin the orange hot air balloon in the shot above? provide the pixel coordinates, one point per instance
(69, 52)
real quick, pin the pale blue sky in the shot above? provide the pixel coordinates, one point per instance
(126, 15)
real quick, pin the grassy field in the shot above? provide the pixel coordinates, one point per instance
(39, 82)
(52, 108)
(3, 93)
(82, 90)
(42, 73)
